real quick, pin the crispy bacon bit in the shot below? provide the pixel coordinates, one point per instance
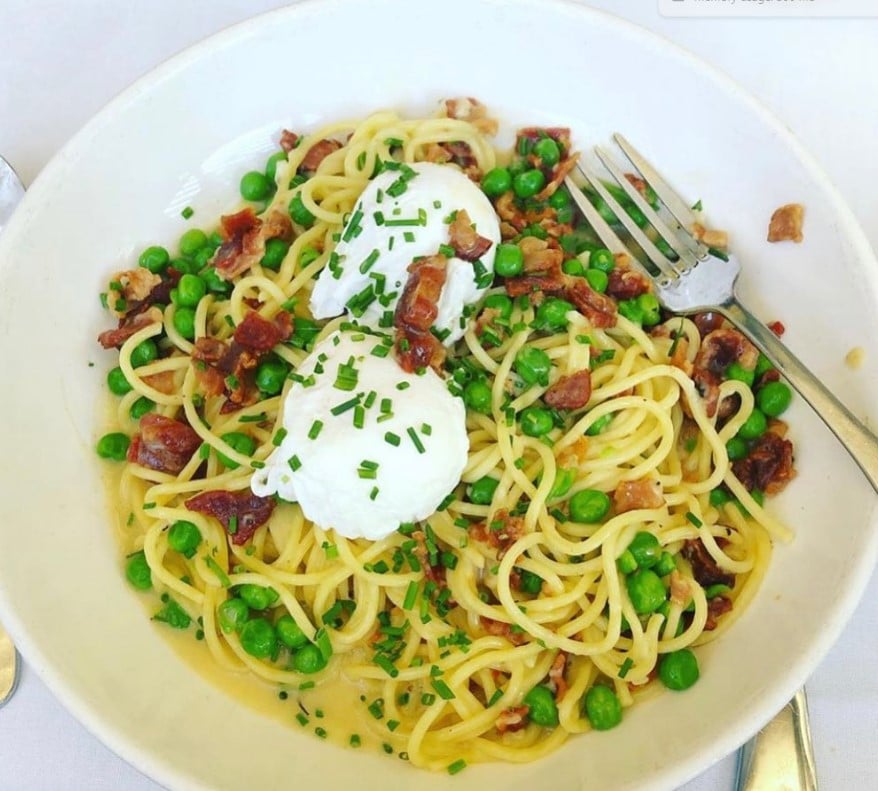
(462, 236)
(501, 532)
(240, 513)
(570, 392)
(317, 153)
(777, 328)
(719, 349)
(768, 465)
(243, 245)
(473, 111)
(163, 444)
(258, 334)
(638, 183)
(574, 454)
(786, 223)
(627, 283)
(288, 140)
(206, 355)
(704, 567)
(278, 225)
(712, 237)
(681, 591)
(556, 676)
(680, 357)
(110, 339)
(515, 718)
(136, 286)
(645, 493)
(717, 606)
(539, 256)
(503, 629)
(598, 308)
(559, 173)
(433, 573)
(416, 311)
(462, 156)
(164, 381)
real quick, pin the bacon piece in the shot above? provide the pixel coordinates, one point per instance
(136, 285)
(472, 110)
(540, 256)
(462, 236)
(704, 567)
(645, 493)
(416, 311)
(786, 223)
(638, 183)
(277, 225)
(501, 532)
(433, 573)
(681, 591)
(556, 676)
(711, 237)
(717, 606)
(627, 283)
(515, 718)
(243, 245)
(317, 153)
(708, 321)
(503, 629)
(164, 381)
(570, 392)
(288, 140)
(557, 176)
(768, 465)
(719, 349)
(110, 339)
(598, 308)
(258, 334)
(777, 328)
(244, 510)
(574, 454)
(163, 444)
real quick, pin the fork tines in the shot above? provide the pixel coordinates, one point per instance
(678, 238)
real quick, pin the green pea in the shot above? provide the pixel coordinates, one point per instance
(602, 707)
(299, 213)
(589, 506)
(509, 260)
(541, 701)
(275, 252)
(184, 322)
(255, 186)
(202, 258)
(536, 421)
(257, 597)
(308, 659)
(646, 549)
(763, 365)
(530, 582)
(564, 478)
(155, 259)
(272, 163)
(258, 638)
(481, 492)
(599, 425)
(650, 308)
(626, 562)
(496, 181)
(548, 152)
(646, 591)
(774, 398)
(552, 313)
(602, 259)
(113, 446)
(243, 443)
(736, 449)
(145, 352)
(678, 670)
(289, 632)
(528, 183)
(559, 199)
(192, 241)
(597, 279)
(631, 310)
(533, 365)
(477, 396)
(117, 382)
(137, 571)
(573, 266)
(190, 290)
(741, 374)
(754, 426)
(140, 407)
(666, 564)
(271, 375)
(232, 615)
(185, 265)
(719, 497)
(184, 537)
(501, 303)
(214, 282)
(518, 165)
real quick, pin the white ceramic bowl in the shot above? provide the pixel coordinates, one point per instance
(183, 135)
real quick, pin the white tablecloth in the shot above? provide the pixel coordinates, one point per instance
(61, 61)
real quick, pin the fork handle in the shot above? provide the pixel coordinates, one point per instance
(858, 440)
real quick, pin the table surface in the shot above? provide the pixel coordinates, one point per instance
(62, 61)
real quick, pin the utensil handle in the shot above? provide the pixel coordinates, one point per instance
(858, 440)
(780, 756)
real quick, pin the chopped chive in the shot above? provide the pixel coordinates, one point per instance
(380, 351)
(426, 429)
(392, 439)
(368, 475)
(257, 465)
(187, 212)
(303, 720)
(403, 385)
(386, 406)
(370, 399)
(693, 519)
(345, 406)
(626, 666)
(373, 495)
(359, 416)
(217, 570)
(353, 226)
(408, 236)
(279, 437)
(315, 429)
(411, 595)
(378, 216)
(442, 688)
(458, 766)
(253, 418)
(416, 440)
(295, 463)
(386, 665)
(321, 732)
(376, 708)
(355, 740)
(369, 262)
(428, 699)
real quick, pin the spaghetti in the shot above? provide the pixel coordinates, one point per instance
(599, 531)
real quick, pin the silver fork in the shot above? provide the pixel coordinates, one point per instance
(781, 754)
